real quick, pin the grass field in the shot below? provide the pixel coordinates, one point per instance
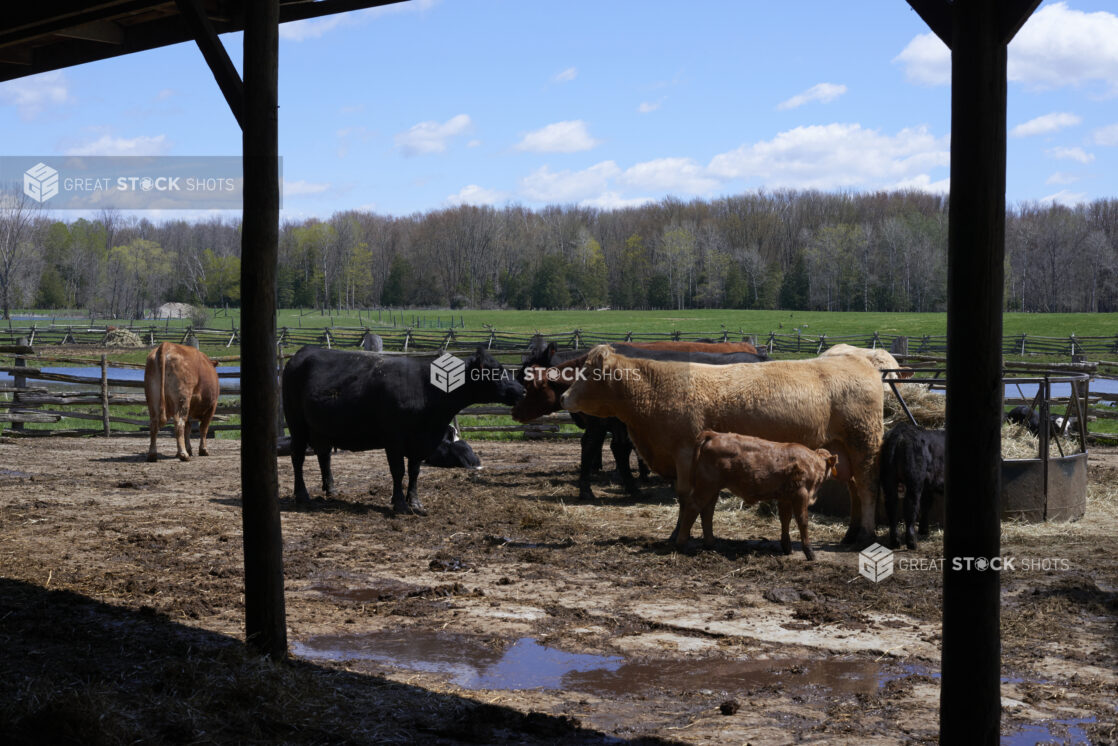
(706, 320)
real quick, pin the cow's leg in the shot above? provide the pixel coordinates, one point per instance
(414, 506)
(785, 509)
(912, 499)
(925, 509)
(642, 469)
(153, 426)
(181, 436)
(892, 500)
(621, 447)
(203, 429)
(323, 453)
(298, 455)
(863, 495)
(591, 442)
(706, 513)
(683, 492)
(801, 516)
(186, 436)
(688, 512)
(396, 466)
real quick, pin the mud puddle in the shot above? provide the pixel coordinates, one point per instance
(472, 664)
(1054, 731)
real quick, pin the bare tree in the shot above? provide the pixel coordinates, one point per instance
(18, 215)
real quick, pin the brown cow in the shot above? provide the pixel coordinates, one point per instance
(180, 384)
(833, 403)
(754, 470)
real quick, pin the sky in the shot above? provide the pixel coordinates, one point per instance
(433, 103)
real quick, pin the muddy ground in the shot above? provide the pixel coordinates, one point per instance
(513, 612)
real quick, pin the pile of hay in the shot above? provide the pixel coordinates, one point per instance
(1018, 442)
(928, 407)
(122, 338)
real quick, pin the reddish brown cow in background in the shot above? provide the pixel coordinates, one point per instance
(180, 384)
(754, 470)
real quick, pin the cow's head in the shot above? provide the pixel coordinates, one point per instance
(593, 390)
(540, 396)
(539, 353)
(487, 380)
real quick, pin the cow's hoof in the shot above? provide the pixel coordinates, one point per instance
(302, 497)
(408, 507)
(417, 507)
(153, 457)
(809, 554)
(203, 452)
(910, 543)
(858, 536)
(585, 493)
(184, 457)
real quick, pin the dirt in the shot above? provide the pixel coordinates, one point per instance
(513, 612)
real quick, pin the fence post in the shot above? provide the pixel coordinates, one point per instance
(280, 424)
(105, 393)
(19, 381)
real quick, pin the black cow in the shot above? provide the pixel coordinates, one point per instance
(453, 453)
(593, 438)
(372, 342)
(1030, 418)
(360, 401)
(915, 458)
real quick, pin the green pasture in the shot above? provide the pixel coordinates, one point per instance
(702, 320)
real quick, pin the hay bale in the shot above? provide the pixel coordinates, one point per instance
(927, 406)
(122, 338)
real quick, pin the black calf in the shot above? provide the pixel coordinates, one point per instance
(915, 458)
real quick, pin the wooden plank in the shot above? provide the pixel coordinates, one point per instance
(21, 417)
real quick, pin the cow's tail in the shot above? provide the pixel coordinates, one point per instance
(164, 413)
(700, 443)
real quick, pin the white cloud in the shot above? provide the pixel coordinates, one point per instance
(822, 92)
(315, 28)
(835, 156)
(647, 107)
(921, 183)
(108, 145)
(566, 76)
(33, 94)
(1064, 197)
(926, 60)
(1056, 47)
(544, 185)
(473, 143)
(1045, 124)
(298, 188)
(1107, 135)
(431, 137)
(1075, 154)
(164, 94)
(560, 137)
(473, 194)
(673, 175)
(614, 201)
(1061, 178)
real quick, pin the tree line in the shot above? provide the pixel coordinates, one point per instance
(787, 249)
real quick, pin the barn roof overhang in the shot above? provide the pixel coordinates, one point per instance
(37, 37)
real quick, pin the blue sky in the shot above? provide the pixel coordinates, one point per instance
(437, 102)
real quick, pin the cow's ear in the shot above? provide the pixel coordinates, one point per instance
(213, 363)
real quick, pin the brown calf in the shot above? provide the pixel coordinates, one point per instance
(180, 384)
(754, 470)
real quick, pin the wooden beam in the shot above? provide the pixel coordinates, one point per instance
(105, 32)
(300, 10)
(970, 693)
(937, 14)
(265, 621)
(215, 55)
(1014, 15)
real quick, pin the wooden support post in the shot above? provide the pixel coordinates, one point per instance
(19, 381)
(978, 33)
(265, 619)
(105, 394)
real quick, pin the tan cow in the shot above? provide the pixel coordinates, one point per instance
(180, 384)
(754, 470)
(833, 403)
(879, 358)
